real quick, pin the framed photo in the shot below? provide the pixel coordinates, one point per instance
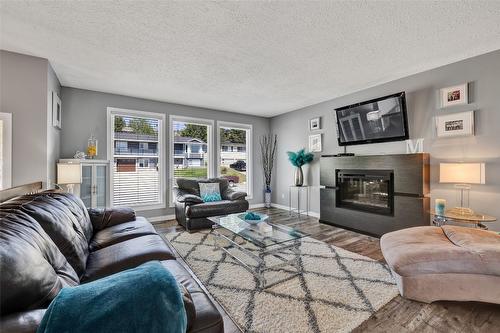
(315, 124)
(456, 124)
(456, 95)
(315, 143)
(56, 111)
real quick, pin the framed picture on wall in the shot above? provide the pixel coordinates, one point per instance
(315, 124)
(56, 111)
(456, 124)
(456, 95)
(315, 143)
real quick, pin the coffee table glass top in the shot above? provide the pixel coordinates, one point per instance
(277, 234)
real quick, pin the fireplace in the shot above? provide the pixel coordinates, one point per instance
(366, 190)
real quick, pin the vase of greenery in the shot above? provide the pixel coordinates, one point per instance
(267, 149)
(299, 159)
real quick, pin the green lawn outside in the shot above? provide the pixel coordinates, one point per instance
(198, 172)
(226, 171)
(192, 172)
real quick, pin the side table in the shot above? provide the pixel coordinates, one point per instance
(475, 219)
(299, 190)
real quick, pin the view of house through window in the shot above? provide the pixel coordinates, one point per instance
(234, 158)
(136, 156)
(190, 150)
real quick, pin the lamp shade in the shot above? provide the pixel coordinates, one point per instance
(69, 173)
(462, 173)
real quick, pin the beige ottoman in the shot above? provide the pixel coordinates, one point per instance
(444, 263)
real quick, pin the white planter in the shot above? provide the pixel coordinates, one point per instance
(267, 199)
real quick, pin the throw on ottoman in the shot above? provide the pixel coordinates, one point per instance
(444, 263)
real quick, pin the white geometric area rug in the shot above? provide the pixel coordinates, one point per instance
(336, 291)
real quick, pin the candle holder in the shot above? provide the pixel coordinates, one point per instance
(440, 206)
(92, 147)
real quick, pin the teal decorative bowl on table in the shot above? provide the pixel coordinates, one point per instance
(252, 217)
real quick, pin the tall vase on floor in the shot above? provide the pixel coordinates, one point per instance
(267, 149)
(267, 197)
(299, 176)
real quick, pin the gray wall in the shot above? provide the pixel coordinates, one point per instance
(24, 90)
(483, 75)
(53, 133)
(84, 112)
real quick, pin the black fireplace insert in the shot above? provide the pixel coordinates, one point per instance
(366, 190)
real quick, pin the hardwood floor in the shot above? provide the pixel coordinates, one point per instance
(399, 315)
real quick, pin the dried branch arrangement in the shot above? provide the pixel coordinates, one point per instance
(268, 148)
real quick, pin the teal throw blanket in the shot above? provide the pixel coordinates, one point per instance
(143, 299)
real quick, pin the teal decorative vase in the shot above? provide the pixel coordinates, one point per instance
(299, 177)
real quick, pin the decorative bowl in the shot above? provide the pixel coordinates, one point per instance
(263, 217)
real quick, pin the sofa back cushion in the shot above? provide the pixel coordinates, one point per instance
(192, 186)
(33, 270)
(62, 220)
(78, 209)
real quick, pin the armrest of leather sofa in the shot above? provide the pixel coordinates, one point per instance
(103, 218)
(22, 322)
(185, 197)
(234, 195)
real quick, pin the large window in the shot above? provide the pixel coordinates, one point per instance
(190, 148)
(234, 143)
(135, 141)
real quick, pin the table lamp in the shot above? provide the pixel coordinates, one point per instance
(462, 175)
(69, 174)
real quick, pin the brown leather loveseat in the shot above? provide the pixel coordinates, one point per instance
(50, 240)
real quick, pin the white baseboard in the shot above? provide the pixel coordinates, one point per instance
(259, 205)
(156, 219)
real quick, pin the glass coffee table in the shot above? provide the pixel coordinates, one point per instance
(280, 242)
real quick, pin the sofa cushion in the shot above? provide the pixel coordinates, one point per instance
(124, 255)
(33, 270)
(427, 250)
(59, 222)
(206, 317)
(121, 232)
(108, 217)
(77, 208)
(215, 208)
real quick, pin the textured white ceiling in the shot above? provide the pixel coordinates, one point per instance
(261, 58)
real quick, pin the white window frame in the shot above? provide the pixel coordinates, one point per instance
(6, 150)
(249, 139)
(210, 141)
(111, 112)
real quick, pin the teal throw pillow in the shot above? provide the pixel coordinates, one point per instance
(210, 192)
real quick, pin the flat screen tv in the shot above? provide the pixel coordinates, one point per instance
(378, 120)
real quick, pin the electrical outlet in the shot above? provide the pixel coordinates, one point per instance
(282, 195)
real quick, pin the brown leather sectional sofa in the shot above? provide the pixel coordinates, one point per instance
(50, 240)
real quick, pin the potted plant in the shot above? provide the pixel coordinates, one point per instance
(268, 148)
(299, 159)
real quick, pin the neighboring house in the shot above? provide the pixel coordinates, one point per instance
(134, 151)
(189, 152)
(232, 152)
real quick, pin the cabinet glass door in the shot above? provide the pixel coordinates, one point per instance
(100, 186)
(86, 186)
